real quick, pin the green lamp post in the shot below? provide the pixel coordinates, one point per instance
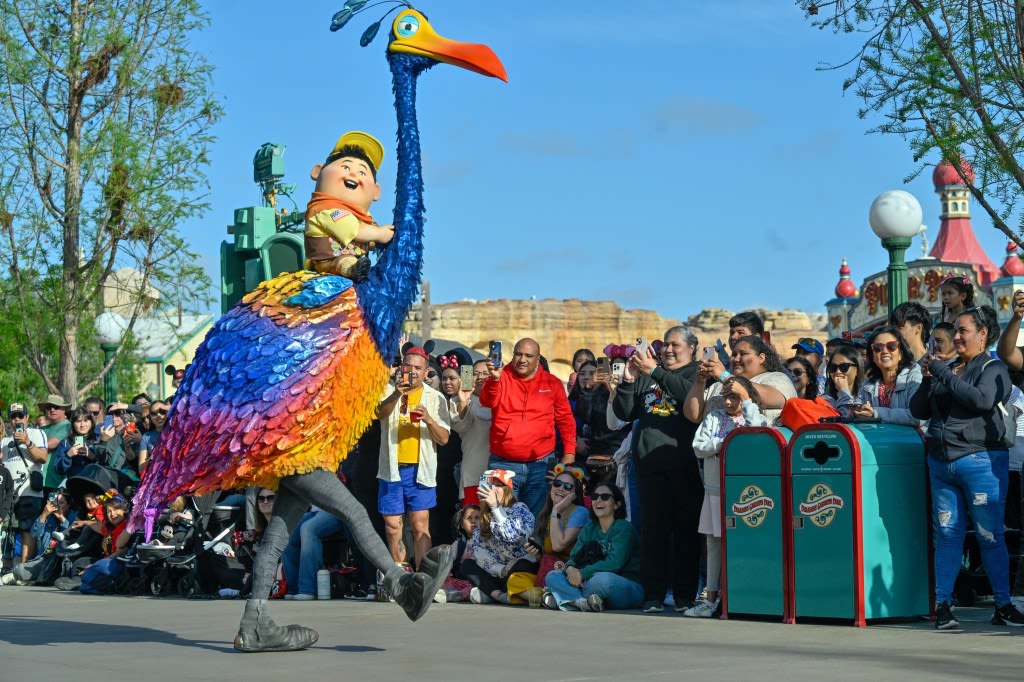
(895, 216)
(110, 328)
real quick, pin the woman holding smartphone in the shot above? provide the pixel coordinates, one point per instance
(892, 379)
(79, 449)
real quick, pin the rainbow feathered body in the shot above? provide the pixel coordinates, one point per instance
(286, 382)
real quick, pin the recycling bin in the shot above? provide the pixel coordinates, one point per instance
(755, 523)
(860, 522)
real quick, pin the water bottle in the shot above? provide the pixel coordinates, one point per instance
(323, 584)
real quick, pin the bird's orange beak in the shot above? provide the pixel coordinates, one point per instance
(413, 34)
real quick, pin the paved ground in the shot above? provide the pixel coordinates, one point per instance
(50, 635)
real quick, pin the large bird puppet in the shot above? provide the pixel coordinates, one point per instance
(288, 380)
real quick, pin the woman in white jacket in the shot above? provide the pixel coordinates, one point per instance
(741, 408)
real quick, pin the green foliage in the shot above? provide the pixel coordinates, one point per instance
(105, 121)
(947, 76)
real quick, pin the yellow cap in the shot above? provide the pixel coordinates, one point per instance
(370, 145)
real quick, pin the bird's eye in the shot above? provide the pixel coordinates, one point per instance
(408, 26)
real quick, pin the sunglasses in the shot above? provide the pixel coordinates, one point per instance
(265, 498)
(843, 367)
(797, 372)
(431, 374)
(53, 407)
(94, 414)
(162, 413)
(890, 346)
(604, 497)
(564, 485)
(17, 415)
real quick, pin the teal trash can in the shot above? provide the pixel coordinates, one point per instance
(860, 522)
(755, 523)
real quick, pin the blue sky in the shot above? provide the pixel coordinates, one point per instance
(674, 156)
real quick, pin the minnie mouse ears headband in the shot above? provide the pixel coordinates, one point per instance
(623, 350)
(455, 358)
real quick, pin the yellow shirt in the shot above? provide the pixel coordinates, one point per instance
(338, 224)
(409, 432)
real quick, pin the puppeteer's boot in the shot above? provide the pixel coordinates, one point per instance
(257, 632)
(414, 592)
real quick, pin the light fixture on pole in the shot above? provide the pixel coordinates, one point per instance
(895, 216)
(110, 328)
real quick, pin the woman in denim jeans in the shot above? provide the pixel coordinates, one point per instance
(611, 580)
(968, 462)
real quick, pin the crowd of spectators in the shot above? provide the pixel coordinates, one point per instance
(602, 493)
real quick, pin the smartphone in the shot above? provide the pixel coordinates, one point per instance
(130, 427)
(709, 353)
(643, 346)
(604, 365)
(494, 353)
(79, 440)
(485, 480)
(767, 336)
(466, 375)
(618, 369)
(20, 429)
(405, 378)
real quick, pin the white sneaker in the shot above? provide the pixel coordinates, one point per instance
(303, 597)
(7, 579)
(441, 597)
(478, 596)
(702, 609)
(581, 604)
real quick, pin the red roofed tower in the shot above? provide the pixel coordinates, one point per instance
(956, 242)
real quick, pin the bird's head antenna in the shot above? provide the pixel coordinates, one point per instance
(354, 7)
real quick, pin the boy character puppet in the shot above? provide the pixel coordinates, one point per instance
(339, 228)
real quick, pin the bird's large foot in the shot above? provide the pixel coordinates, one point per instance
(415, 591)
(258, 633)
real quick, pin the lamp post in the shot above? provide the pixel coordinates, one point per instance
(895, 216)
(110, 329)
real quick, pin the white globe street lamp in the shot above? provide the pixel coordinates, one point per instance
(110, 329)
(896, 216)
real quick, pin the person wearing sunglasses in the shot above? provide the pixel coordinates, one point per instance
(57, 427)
(844, 375)
(892, 379)
(603, 571)
(158, 410)
(968, 461)
(804, 376)
(24, 453)
(559, 522)
(414, 420)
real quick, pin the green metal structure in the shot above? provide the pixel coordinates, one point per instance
(267, 240)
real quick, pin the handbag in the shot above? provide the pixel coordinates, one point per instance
(590, 553)
(799, 412)
(35, 476)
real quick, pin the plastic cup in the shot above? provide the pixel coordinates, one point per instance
(533, 597)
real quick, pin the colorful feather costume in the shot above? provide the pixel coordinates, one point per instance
(289, 379)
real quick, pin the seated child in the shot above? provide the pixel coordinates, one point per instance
(339, 228)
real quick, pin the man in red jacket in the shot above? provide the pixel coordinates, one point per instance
(527, 403)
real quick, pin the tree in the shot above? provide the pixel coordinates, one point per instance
(105, 119)
(948, 76)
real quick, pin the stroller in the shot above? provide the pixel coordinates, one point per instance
(170, 561)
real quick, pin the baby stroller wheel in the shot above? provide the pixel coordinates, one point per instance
(187, 585)
(160, 585)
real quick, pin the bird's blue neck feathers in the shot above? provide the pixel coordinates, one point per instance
(389, 292)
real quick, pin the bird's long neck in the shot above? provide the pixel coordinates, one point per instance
(390, 291)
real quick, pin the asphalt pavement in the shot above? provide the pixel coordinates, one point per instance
(50, 635)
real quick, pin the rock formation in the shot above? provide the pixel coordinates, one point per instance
(562, 326)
